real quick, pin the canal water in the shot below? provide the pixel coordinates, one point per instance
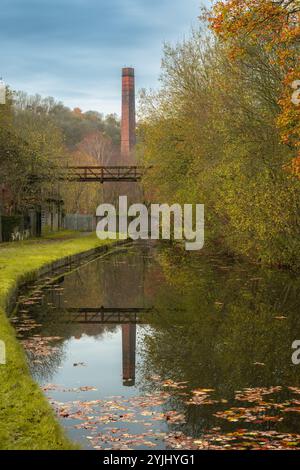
(154, 348)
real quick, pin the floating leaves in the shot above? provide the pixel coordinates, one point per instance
(88, 389)
(150, 423)
(174, 385)
(249, 415)
(252, 395)
(40, 346)
(242, 439)
(174, 417)
(139, 411)
(201, 397)
(59, 388)
(173, 414)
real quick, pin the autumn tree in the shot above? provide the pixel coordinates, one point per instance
(275, 24)
(209, 135)
(45, 142)
(81, 198)
(31, 147)
(98, 146)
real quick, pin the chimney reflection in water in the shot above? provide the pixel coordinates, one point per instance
(129, 349)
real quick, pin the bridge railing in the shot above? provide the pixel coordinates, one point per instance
(102, 173)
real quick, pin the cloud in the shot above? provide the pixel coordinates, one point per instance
(74, 49)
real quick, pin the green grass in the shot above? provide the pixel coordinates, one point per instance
(26, 419)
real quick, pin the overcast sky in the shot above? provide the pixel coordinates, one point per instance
(74, 50)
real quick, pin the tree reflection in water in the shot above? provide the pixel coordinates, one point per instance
(217, 324)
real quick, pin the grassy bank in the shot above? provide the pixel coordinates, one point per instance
(26, 419)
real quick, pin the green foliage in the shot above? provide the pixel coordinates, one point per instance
(210, 137)
(39, 135)
(74, 124)
(30, 144)
(229, 317)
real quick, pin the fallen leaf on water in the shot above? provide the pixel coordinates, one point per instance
(172, 384)
(174, 417)
(88, 389)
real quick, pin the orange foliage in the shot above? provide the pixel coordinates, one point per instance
(77, 112)
(276, 25)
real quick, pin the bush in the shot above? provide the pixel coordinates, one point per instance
(11, 224)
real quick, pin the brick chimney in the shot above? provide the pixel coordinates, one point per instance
(128, 124)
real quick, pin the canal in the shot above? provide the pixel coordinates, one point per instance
(154, 348)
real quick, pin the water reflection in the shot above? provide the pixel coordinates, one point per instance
(129, 351)
(188, 331)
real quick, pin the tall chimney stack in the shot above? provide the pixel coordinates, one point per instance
(128, 138)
